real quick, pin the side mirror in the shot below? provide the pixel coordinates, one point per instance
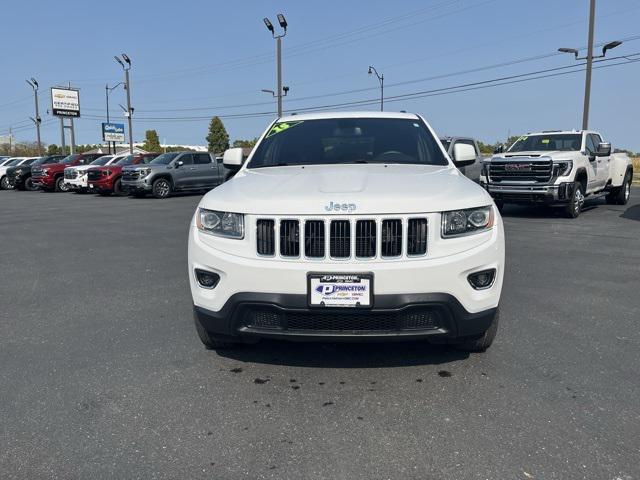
(499, 149)
(179, 163)
(463, 154)
(233, 158)
(604, 149)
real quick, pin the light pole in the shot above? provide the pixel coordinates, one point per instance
(108, 89)
(381, 80)
(589, 58)
(269, 25)
(34, 84)
(127, 86)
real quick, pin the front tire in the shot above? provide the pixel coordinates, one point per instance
(161, 188)
(620, 195)
(482, 343)
(29, 186)
(60, 185)
(4, 184)
(117, 188)
(574, 207)
(213, 342)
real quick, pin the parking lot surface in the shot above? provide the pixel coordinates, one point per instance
(102, 374)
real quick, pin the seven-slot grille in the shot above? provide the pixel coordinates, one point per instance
(341, 238)
(536, 170)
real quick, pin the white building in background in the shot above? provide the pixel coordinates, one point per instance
(137, 147)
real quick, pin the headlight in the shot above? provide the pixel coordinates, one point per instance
(45, 171)
(144, 172)
(18, 172)
(564, 167)
(221, 224)
(465, 222)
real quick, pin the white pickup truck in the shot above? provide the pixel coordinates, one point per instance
(347, 226)
(558, 168)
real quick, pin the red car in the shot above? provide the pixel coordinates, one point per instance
(105, 180)
(50, 177)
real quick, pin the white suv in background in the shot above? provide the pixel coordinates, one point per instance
(76, 178)
(347, 226)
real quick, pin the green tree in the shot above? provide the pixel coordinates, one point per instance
(218, 138)
(245, 143)
(53, 149)
(151, 141)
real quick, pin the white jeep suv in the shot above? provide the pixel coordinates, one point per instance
(347, 226)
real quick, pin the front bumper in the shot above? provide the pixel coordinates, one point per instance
(526, 194)
(141, 185)
(102, 185)
(429, 297)
(44, 181)
(77, 183)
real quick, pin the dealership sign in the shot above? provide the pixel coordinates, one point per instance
(65, 102)
(113, 132)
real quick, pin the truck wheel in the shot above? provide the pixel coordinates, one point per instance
(28, 185)
(213, 342)
(620, 195)
(161, 188)
(574, 207)
(60, 185)
(480, 344)
(4, 183)
(117, 188)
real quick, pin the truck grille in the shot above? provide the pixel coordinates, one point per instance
(94, 174)
(537, 170)
(130, 175)
(341, 239)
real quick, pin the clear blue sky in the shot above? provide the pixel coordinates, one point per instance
(199, 59)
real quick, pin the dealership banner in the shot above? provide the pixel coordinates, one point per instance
(65, 102)
(113, 132)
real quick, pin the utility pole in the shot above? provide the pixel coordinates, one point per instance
(34, 84)
(587, 82)
(62, 141)
(381, 80)
(10, 139)
(589, 58)
(108, 89)
(127, 87)
(280, 91)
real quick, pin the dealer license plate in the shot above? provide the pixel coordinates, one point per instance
(340, 290)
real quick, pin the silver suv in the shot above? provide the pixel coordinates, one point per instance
(173, 172)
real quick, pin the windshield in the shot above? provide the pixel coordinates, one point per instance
(165, 158)
(348, 140)
(101, 160)
(126, 160)
(69, 159)
(532, 143)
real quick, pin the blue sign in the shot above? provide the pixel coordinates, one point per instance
(113, 132)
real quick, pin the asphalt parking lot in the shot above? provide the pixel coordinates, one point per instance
(102, 374)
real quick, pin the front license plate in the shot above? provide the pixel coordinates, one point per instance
(340, 290)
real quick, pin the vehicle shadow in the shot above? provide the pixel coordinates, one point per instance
(545, 211)
(344, 355)
(632, 213)
(173, 195)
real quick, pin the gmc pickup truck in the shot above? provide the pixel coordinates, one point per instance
(347, 226)
(51, 177)
(558, 168)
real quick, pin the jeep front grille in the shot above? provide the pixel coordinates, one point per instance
(341, 239)
(530, 170)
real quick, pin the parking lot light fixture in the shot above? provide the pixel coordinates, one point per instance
(269, 25)
(371, 71)
(127, 86)
(283, 23)
(33, 83)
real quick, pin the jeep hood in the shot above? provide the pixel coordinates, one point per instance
(371, 189)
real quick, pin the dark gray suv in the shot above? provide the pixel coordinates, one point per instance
(174, 172)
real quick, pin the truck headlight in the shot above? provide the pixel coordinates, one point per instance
(465, 222)
(143, 172)
(221, 224)
(564, 167)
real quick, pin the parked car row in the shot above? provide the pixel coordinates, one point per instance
(139, 174)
